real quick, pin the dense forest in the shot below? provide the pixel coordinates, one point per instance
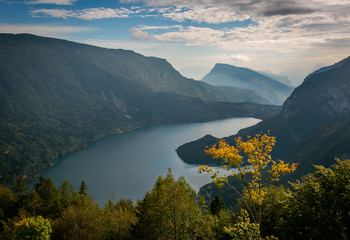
(316, 207)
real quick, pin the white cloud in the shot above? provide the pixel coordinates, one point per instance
(211, 15)
(101, 13)
(137, 34)
(56, 13)
(240, 57)
(193, 36)
(86, 14)
(55, 2)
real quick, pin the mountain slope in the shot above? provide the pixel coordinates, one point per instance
(312, 129)
(228, 75)
(314, 116)
(56, 95)
(152, 73)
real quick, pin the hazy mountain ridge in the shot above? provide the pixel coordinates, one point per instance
(279, 78)
(56, 95)
(228, 75)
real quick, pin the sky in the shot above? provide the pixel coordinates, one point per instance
(286, 37)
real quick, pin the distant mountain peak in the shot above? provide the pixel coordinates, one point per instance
(245, 78)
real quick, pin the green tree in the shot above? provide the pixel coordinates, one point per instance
(82, 221)
(250, 161)
(244, 229)
(8, 204)
(320, 206)
(118, 219)
(67, 194)
(273, 207)
(45, 199)
(225, 218)
(21, 185)
(169, 211)
(216, 205)
(35, 228)
(83, 188)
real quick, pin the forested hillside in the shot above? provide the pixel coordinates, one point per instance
(56, 95)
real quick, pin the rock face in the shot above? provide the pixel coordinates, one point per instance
(228, 75)
(322, 100)
(324, 94)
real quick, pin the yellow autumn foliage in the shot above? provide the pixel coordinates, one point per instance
(252, 157)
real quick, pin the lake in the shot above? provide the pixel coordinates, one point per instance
(128, 164)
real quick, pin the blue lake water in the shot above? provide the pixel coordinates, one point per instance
(128, 164)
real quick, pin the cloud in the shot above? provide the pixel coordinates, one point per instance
(86, 14)
(282, 34)
(210, 15)
(55, 2)
(193, 36)
(254, 8)
(101, 13)
(240, 57)
(137, 34)
(145, 27)
(343, 42)
(56, 13)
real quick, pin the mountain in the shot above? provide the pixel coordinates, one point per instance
(279, 78)
(228, 75)
(57, 95)
(312, 128)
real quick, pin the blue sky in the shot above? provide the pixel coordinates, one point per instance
(290, 37)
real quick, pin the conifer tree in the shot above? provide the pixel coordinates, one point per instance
(83, 188)
(216, 205)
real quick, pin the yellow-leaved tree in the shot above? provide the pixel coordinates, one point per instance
(250, 161)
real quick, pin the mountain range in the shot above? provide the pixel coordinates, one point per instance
(312, 128)
(57, 95)
(266, 87)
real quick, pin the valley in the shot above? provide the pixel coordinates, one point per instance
(56, 96)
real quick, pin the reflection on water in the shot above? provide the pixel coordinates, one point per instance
(128, 164)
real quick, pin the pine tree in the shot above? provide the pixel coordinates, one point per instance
(83, 188)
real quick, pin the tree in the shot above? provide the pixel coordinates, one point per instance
(44, 200)
(243, 229)
(274, 204)
(21, 185)
(248, 158)
(320, 206)
(216, 205)
(36, 228)
(224, 219)
(83, 188)
(82, 221)
(118, 219)
(67, 194)
(169, 211)
(8, 204)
